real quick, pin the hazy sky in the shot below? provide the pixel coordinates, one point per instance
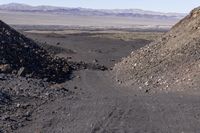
(183, 6)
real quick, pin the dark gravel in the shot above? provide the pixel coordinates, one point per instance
(18, 52)
(20, 96)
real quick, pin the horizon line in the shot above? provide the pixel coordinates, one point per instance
(95, 8)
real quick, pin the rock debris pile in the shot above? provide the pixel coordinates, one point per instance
(30, 77)
(171, 63)
(22, 56)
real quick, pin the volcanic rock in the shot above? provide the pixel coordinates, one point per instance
(171, 63)
(21, 55)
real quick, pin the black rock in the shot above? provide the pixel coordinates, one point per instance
(25, 57)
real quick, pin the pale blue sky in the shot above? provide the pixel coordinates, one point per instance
(182, 6)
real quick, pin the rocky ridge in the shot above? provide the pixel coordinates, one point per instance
(31, 76)
(171, 63)
(22, 56)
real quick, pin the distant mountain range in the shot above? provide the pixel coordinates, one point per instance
(133, 13)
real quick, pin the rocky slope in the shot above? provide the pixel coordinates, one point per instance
(21, 62)
(22, 56)
(30, 77)
(172, 63)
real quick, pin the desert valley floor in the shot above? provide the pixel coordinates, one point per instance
(93, 102)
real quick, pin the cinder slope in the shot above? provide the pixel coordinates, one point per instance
(22, 56)
(172, 61)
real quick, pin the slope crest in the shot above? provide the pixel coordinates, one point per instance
(22, 56)
(173, 61)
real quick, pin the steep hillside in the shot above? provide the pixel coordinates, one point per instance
(20, 55)
(172, 63)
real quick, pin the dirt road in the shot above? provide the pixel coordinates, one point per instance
(101, 107)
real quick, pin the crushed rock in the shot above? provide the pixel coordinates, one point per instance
(171, 63)
(17, 52)
(20, 96)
